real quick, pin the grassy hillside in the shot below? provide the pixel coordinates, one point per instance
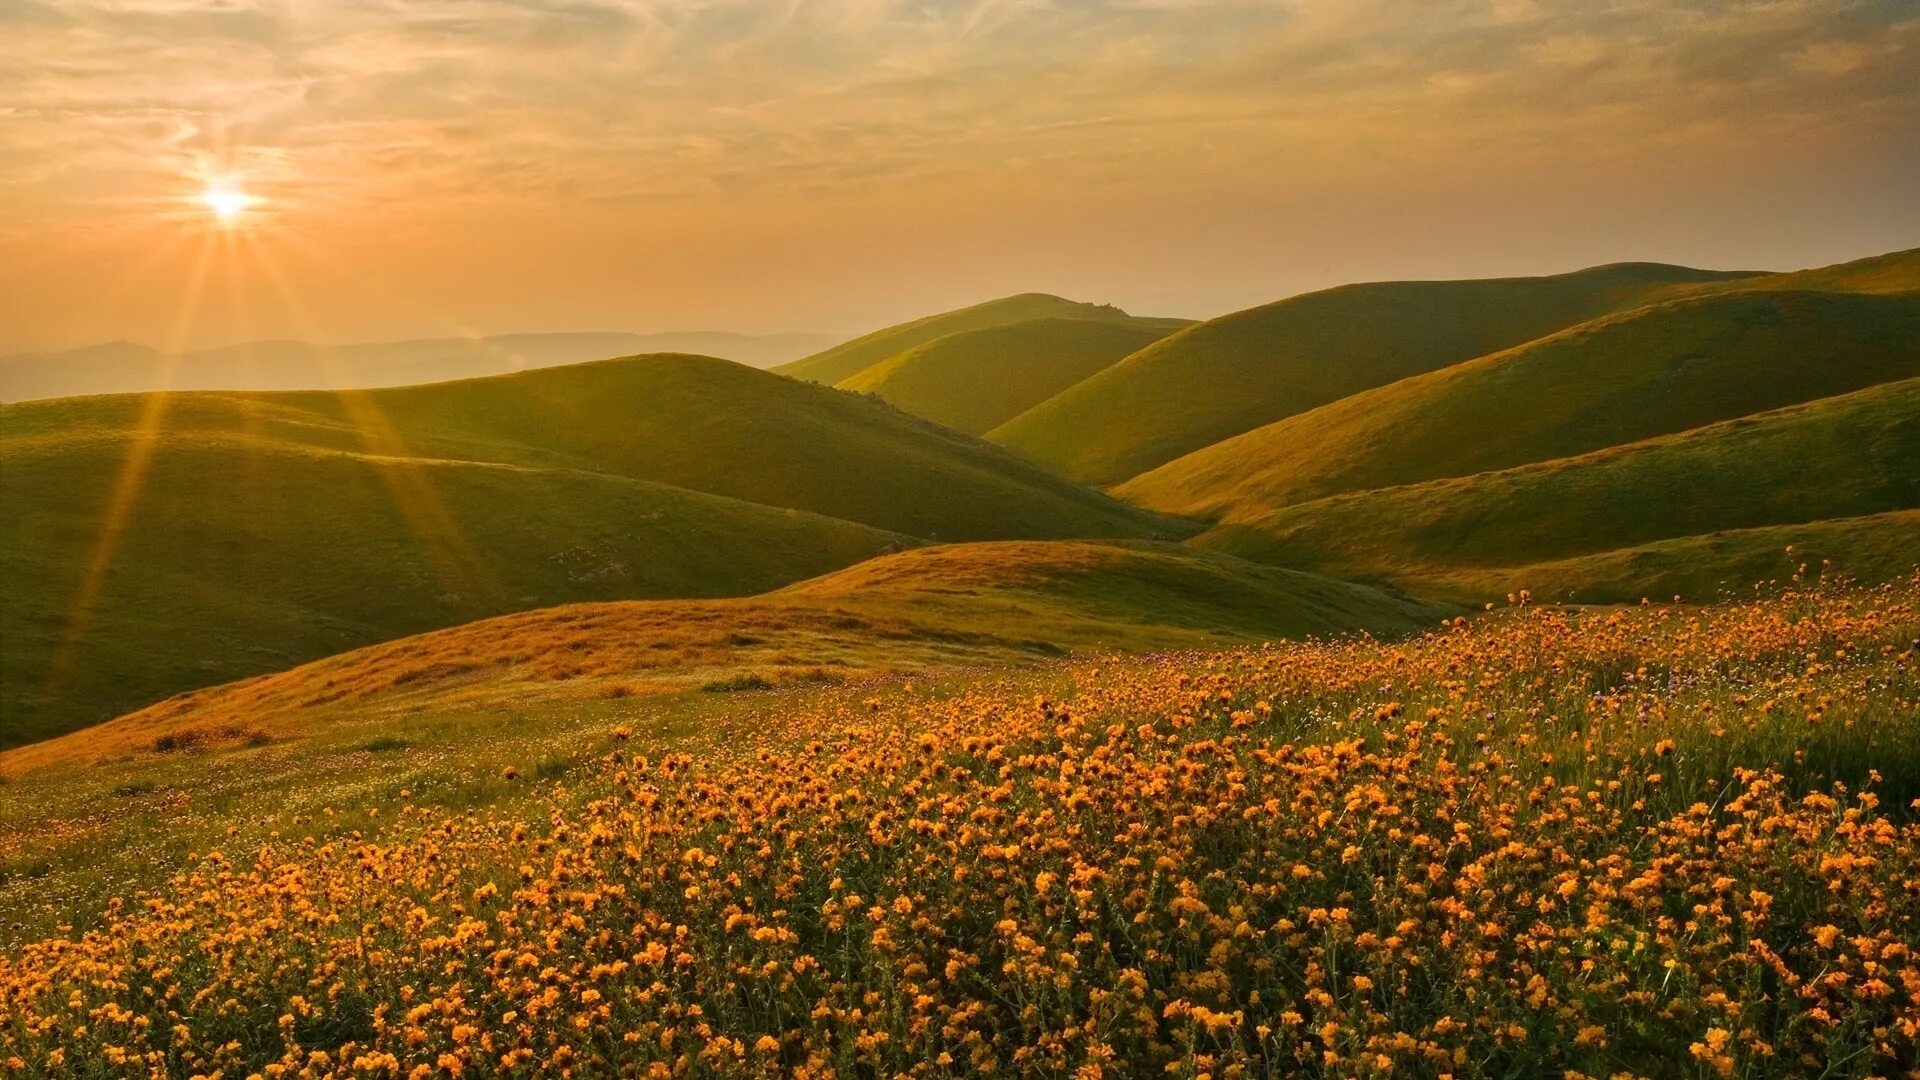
(1655, 842)
(1848, 456)
(942, 606)
(1896, 272)
(244, 554)
(978, 379)
(845, 360)
(1714, 566)
(1618, 379)
(257, 530)
(125, 367)
(1228, 375)
(689, 421)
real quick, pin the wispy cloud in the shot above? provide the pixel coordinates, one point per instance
(359, 107)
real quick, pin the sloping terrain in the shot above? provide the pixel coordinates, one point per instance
(1232, 374)
(1653, 371)
(126, 367)
(151, 544)
(976, 380)
(847, 359)
(931, 607)
(1843, 457)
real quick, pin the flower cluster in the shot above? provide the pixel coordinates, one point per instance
(1548, 842)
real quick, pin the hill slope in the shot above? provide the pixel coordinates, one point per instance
(1622, 378)
(257, 530)
(938, 606)
(1841, 457)
(848, 359)
(125, 367)
(976, 380)
(1229, 375)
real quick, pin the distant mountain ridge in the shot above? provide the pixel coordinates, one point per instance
(129, 367)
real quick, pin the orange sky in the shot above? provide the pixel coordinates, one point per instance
(451, 166)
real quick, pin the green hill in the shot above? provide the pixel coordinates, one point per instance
(1894, 273)
(258, 530)
(1622, 378)
(976, 380)
(1843, 457)
(944, 606)
(847, 359)
(1232, 374)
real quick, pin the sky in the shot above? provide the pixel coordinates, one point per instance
(431, 167)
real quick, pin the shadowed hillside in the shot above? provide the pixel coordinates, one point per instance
(978, 379)
(1842, 457)
(845, 360)
(1652, 371)
(1229, 375)
(932, 607)
(160, 542)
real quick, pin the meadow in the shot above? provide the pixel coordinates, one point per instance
(1655, 840)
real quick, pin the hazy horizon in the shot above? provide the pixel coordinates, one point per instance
(457, 168)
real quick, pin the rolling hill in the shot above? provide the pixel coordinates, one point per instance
(1851, 456)
(258, 530)
(1622, 378)
(976, 380)
(126, 367)
(941, 606)
(850, 358)
(1232, 374)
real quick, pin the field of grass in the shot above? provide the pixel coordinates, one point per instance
(1842, 457)
(845, 360)
(1662, 841)
(1232, 374)
(156, 543)
(979, 379)
(931, 608)
(1653, 371)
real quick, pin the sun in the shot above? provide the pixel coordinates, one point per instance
(227, 201)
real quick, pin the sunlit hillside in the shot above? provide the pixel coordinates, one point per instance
(850, 358)
(1547, 842)
(934, 609)
(154, 544)
(1237, 372)
(976, 380)
(1653, 371)
(1845, 457)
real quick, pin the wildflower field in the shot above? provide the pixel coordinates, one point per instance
(1654, 841)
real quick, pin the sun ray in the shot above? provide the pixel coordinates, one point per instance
(459, 563)
(142, 441)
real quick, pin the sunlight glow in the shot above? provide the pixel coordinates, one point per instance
(227, 200)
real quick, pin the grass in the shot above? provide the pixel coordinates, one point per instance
(1653, 371)
(1664, 841)
(849, 358)
(266, 529)
(976, 380)
(935, 608)
(1232, 374)
(1850, 456)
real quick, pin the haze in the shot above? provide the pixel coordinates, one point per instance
(488, 166)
